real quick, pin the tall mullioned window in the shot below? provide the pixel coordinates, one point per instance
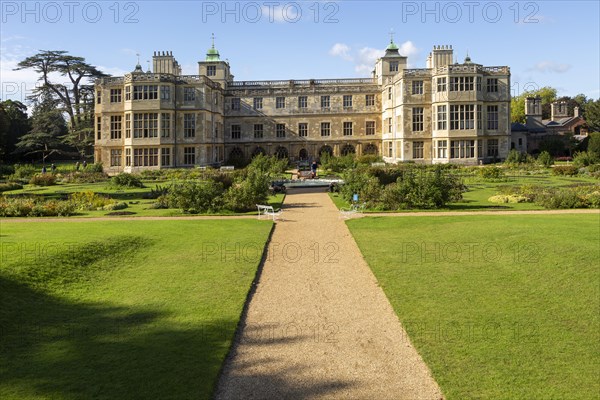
(165, 125)
(165, 92)
(165, 157)
(325, 101)
(347, 128)
(189, 94)
(462, 116)
(492, 117)
(417, 87)
(492, 85)
(347, 101)
(442, 148)
(280, 102)
(127, 93)
(127, 126)
(115, 95)
(370, 127)
(369, 100)
(492, 148)
(116, 155)
(98, 128)
(441, 84)
(258, 103)
(145, 125)
(189, 155)
(258, 131)
(303, 129)
(417, 119)
(461, 83)
(418, 149)
(462, 148)
(211, 70)
(442, 117)
(235, 103)
(325, 128)
(115, 126)
(236, 132)
(394, 66)
(146, 157)
(280, 130)
(302, 101)
(189, 125)
(389, 125)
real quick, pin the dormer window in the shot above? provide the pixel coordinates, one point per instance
(394, 66)
(211, 70)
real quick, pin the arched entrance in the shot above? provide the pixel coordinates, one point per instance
(326, 150)
(370, 150)
(281, 152)
(258, 150)
(348, 149)
(303, 155)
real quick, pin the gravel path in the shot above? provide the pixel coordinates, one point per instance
(317, 325)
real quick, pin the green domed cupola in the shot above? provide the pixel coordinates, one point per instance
(213, 54)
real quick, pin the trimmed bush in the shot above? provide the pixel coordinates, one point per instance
(545, 159)
(43, 180)
(88, 201)
(491, 173)
(126, 180)
(567, 170)
(196, 197)
(34, 207)
(5, 187)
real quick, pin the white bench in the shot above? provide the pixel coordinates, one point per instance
(227, 168)
(268, 211)
(352, 210)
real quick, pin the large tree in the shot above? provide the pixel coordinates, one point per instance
(73, 94)
(14, 123)
(592, 115)
(48, 126)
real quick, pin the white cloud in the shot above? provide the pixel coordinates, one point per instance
(341, 50)
(280, 13)
(551, 66)
(365, 61)
(408, 49)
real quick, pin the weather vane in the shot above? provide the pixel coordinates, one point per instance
(391, 35)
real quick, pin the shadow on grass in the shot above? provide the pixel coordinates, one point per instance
(54, 348)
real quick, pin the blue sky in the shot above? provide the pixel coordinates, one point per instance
(553, 43)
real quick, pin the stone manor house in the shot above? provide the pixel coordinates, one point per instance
(447, 112)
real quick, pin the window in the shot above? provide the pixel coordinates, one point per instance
(236, 131)
(347, 101)
(393, 66)
(461, 83)
(145, 125)
(165, 157)
(127, 126)
(127, 92)
(479, 84)
(189, 125)
(145, 92)
(280, 130)
(165, 92)
(280, 102)
(165, 125)
(115, 127)
(146, 157)
(235, 103)
(369, 100)
(370, 127)
(99, 97)
(492, 117)
(347, 128)
(441, 84)
(418, 149)
(189, 94)
(417, 87)
(211, 70)
(302, 101)
(462, 148)
(115, 157)
(99, 128)
(390, 149)
(478, 116)
(389, 124)
(462, 116)
(303, 129)
(442, 149)
(492, 85)
(325, 101)
(115, 95)
(128, 157)
(390, 93)
(417, 119)
(258, 131)
(325, 128)
(258, 103)
(189, 155)
(492, 147)
(441, 117)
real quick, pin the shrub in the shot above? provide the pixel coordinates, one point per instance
(43, 180)
(157, 192)
(545, 159)
(34, 207)
(516, 157)
(6, 170)
(5, 187)
(585, 158)
(88, 201)
(491, 172)
(115, 206)
(84, 177)
(568, 170)
(196, 197)
(508, 199)
(559, 198)
(96, 167)
(248, 191)
(368, 159)
(338, 164)
(126, 180)
(23, 172)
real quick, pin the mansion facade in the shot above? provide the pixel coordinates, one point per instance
(447, 112)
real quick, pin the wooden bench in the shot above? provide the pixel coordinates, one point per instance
(352, 210)
(268, 211)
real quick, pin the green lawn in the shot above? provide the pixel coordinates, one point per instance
(121, 310)
(498, 306)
